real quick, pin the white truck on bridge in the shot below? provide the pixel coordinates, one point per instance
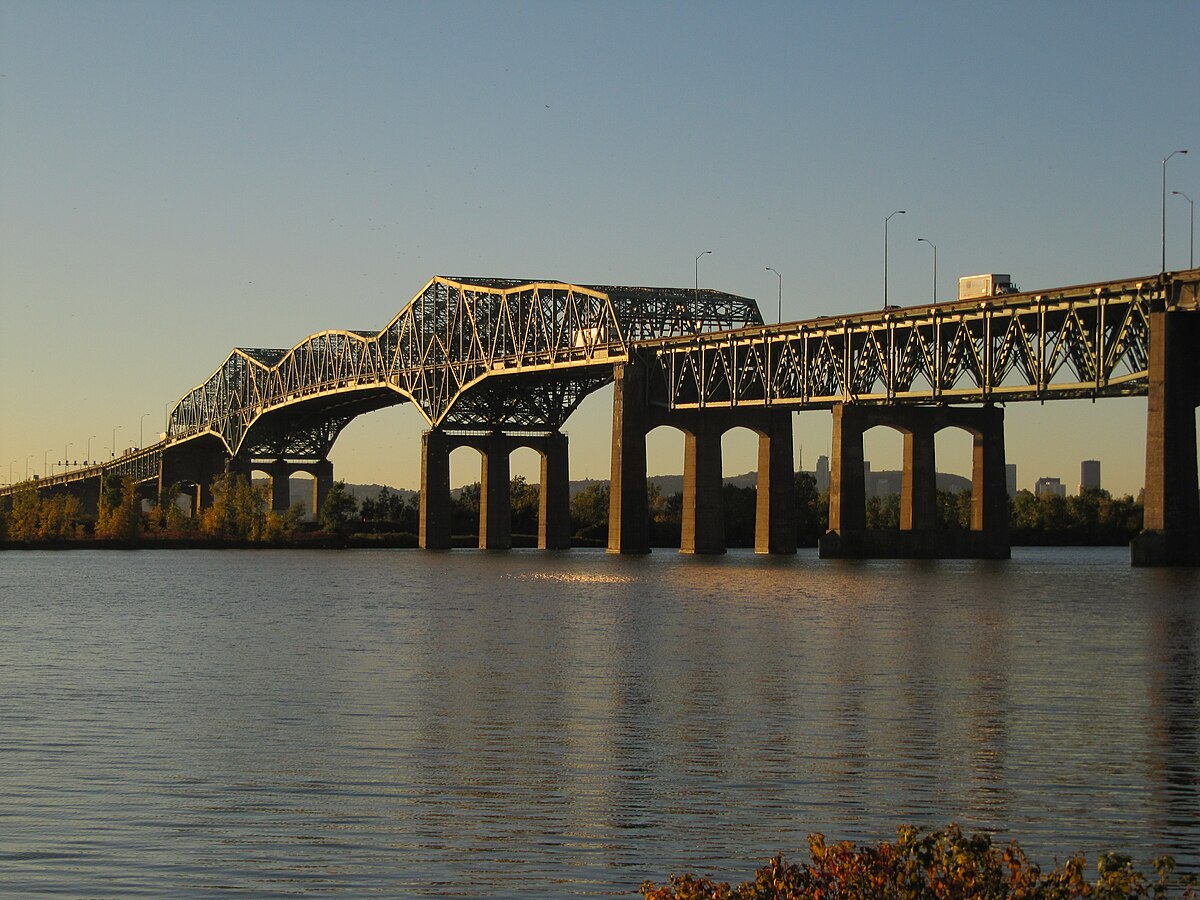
(972, 287)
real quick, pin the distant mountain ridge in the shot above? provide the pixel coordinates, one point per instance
(879, 483)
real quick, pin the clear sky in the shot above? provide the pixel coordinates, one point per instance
(180, 178)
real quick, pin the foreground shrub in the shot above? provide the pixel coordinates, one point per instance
(939, 865)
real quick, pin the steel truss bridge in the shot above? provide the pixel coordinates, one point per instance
(519, 356)
(1087, 341)
(467, 352)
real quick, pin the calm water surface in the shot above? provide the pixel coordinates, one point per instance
(399, 723)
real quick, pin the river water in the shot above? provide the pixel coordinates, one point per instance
(400, 723)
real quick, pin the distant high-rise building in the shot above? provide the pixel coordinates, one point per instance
(1010, 478)
(1050, 486)
(1089, 475)
(822, 474)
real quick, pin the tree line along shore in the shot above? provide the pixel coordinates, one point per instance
(239, 516)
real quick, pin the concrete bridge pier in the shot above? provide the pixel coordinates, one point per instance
(554, 503)
(1171, 524)
(919, 535)
(193, 467)
(281, 489)
(703, 522)
(434, 514)
(495, 495)
(775, 512)
(703, 525)
(628, 508)
(495, 498)
(241, 469)
(322, 472)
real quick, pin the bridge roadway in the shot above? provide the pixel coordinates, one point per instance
(500, 363)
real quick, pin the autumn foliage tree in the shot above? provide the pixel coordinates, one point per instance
(120, 514)
(33, 517)
(238, 510)
(937, 865)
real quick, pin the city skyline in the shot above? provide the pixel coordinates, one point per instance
(180, 180)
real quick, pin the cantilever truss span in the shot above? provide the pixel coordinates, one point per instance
(1085, 341)
(448, 352)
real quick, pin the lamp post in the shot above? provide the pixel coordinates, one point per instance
(65, 449)
(1164, 206)
(27, 459)
(89, 449)
(114, 441)
(705, 253)
(899, 212)
(779, 315)
(45, 463)
(141, 423)
(932, 244)
(1192, 232)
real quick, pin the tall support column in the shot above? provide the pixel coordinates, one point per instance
(434, 513)
(202, 497)
(495, 498)
(847, 484)
(989, 487)
(775, 507)
(628, 511)
(918, 488)
(281, 492)
(322, 482)
(554, 505)
(239, 470)
(703, 526)
(1171, 524)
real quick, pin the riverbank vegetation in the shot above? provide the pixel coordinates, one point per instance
(239, 514)
(937, 865)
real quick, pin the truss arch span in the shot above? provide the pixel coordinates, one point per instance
(449, 351)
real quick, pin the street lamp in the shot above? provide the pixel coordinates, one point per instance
(931, 244)
(705, 253)
(27, 459)
(65, 449)
(141, 422)
(779, 317)
(114, 441)
(89, 449)
(1164, 206)
(45, 463)
(899, 212)
(1192, 233)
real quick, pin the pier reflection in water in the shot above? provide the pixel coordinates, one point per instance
(526, 724)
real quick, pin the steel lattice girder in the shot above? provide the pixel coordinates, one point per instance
(1091, 341)
(451, 342)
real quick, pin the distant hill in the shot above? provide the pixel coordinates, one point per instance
(879, 483)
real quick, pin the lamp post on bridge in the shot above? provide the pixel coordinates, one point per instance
(899, 212)
(1192, 231)
(45, 463)
(114, 441)
(1164, 206)
(141, 423)
(27, 459)
(89, 450)
(705, 253)
(934, 246)
(65, 449)
(779, 315)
